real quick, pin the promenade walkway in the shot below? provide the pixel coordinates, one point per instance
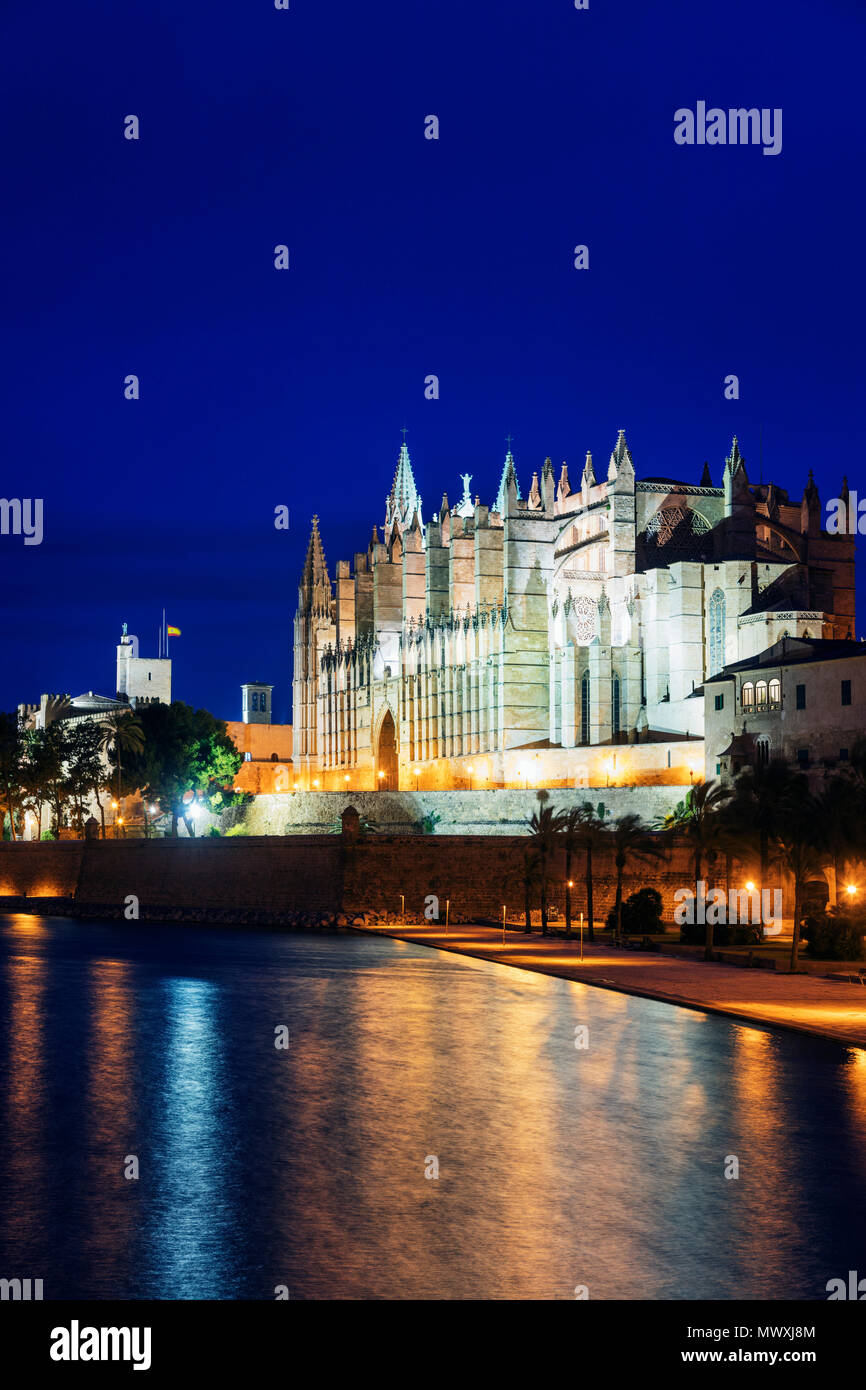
(806, 1003)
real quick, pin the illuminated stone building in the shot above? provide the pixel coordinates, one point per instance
(557, 638)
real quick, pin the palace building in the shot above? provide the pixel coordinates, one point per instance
(559, 637)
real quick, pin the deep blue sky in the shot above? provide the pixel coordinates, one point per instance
(408, 257)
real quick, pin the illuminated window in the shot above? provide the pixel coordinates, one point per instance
(748, 695)
(761, 695)
(584, 708)
(775, 694)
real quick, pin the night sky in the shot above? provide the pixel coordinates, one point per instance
(408, 257)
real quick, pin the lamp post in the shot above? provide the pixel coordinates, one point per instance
(470, 770)
(403, 909)
(581, 936)
(503, 924)
(447, 911)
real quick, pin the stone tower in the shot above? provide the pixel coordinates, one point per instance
(139, 677)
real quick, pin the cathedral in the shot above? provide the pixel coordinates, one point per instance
(555, 638)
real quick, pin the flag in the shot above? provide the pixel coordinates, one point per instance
(174, 631)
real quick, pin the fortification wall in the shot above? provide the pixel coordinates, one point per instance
(459, 812)
(270, 878)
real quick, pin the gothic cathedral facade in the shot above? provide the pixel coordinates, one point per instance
(559, 638)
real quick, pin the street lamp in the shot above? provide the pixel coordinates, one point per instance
(470, 770)
(851, 889)
(346, 778)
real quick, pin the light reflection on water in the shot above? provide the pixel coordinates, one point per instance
(260, 1167)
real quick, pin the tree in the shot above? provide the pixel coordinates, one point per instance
(11, 769)
(84, 766)
(544, 828)
(185, 750)
(759, 792)
(581, 828)
(842, 805)
(799, 842)
(699, 821)
(55, 751)
(530, 879)
(121, 733)
(630, 839)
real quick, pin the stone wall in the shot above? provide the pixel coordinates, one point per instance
(202, 875)
(460, 813)
(260, 878)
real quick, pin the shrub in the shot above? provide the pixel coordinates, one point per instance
(724, 934)
(641, 913)
(835, 935)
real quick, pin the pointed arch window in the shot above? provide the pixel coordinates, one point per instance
(615, 705)
(717, 632)
(584, 708)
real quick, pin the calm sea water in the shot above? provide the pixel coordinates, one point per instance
(306, 1167)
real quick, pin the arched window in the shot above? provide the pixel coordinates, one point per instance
(748, 696)
(717, 632)
(761, 695)
(584, 708)
(775, 694)
(763, 751)
(614, 705)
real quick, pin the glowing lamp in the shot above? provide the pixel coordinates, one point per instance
(750, 887)
(851, 889)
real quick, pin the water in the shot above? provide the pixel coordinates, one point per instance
(305, 1168)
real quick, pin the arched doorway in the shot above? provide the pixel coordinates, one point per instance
(386, 755)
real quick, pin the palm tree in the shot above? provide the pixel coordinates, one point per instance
(543, 826)
(699, 820)
(759, 792)
(630, 839)
(581, 827)
(121, 733)
(841, 809)
(799, 841)
(530, 878)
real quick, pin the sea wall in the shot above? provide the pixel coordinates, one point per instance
(273, 879)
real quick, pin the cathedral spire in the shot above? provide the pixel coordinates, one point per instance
(620, 459)
(315, 582)
(508, 471)
(706, 476)
(588, 479)
(735, 461)
(403, 497)
(564, 488)
(315, 566)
